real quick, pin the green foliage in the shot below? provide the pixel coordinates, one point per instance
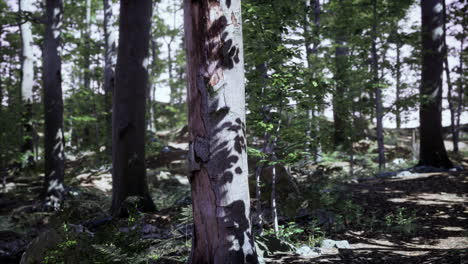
(401, 222)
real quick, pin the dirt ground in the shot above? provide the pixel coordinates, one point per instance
(438, 202)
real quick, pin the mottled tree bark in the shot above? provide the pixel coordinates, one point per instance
(432, 149)
(53, 106)
(378, 91)
(110, 57)
(218, 158)
(27, 82)
(128, 120)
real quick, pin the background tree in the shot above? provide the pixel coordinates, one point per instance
(53, 106)
(432, 150)
(128, 120)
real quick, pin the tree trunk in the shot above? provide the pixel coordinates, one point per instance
(128, 120)
(461, 94)
(110, 52)
(378, 91)
(449, 82)
(398, 84)
(27, 82)
(312, 41)
(53, 106)
(218, 157)
(339, 102)
(432, 150)
(87, 47)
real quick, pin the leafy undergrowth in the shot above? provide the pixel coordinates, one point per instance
(416, 218)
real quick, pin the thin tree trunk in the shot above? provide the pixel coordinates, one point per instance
(53, 106)
(272, 154)
(461, 94)
(432, 150)
(27, 82)
(398, 84)
(449, 82)
(110, 52)
(87, 46)
(218, 156)
(378, 91)
(128, 120)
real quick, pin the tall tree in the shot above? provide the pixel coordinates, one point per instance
(432, 149)
(110, 57)
(27, 82)
(218, 158)
(53, 106)
(377, 89)
(128, 120)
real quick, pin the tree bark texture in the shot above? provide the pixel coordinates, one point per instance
(128, 120)
(27, 82)
(53, 106)
(110, 57)
(218, 158)
(432, 149)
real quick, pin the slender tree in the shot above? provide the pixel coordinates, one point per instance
(432, 149)
(128, 120)
(218, 158)
(53, 106)
(27, 82)
(110, 57)
(378, 91)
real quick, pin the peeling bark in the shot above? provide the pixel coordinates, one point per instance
(218, 158)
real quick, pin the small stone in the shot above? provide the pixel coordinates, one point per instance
(328, 243)
(342, 244)
(404, 174)
(306, 251)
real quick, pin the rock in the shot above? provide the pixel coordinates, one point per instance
(11, 247)
(398, 161)
(404, 174)
(328, 243)
(306, 251)
(341, 244)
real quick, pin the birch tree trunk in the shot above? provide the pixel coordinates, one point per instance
(110, 57)
(378, 91)
(218, 158)
(27, 82)
(432, 150)
(128, 120)
(53, 106)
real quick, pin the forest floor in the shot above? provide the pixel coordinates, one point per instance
(409, 217)
(436, 230)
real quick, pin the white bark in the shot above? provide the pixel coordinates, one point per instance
(27, 81)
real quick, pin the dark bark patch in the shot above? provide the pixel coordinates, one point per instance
(238, 170)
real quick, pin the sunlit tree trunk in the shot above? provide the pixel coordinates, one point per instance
(53, 106)
(128, 119)
(432, 150)
(27, 82)
(110, 57)
(378, 91)
(218, 158)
